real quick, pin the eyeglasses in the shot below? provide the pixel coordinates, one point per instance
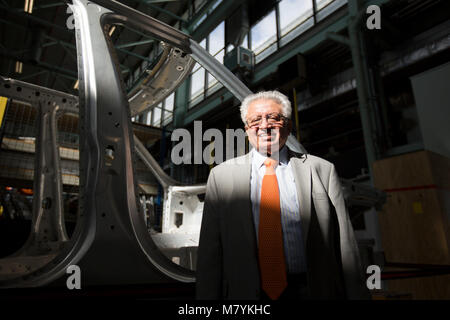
(273, 120)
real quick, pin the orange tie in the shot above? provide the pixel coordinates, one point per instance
(271, 254)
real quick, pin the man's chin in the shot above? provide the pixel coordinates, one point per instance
(268, 147)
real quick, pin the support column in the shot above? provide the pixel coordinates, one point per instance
(365, 90)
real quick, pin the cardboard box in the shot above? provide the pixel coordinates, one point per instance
(414, 222)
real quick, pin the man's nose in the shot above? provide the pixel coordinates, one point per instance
(264, 123)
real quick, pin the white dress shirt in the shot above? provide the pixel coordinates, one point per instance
(290, 217)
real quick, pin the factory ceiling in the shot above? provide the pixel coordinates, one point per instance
(37, 40)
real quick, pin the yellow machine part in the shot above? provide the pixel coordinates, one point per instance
(3, 102)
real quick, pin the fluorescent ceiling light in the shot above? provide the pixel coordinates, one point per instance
(112, 30)
(19, 67)
(28, 7)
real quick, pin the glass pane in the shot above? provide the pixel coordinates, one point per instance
(294, 12)
(217, 38)
(167, 114)
(197, 82)
(245, 42)
(219, 55)
(149, 118)
(264, 33)
(211, 80)
(167, 118)
(170, 100)
(196, 67)
(157, 116)
(322, 3)
(203, 43)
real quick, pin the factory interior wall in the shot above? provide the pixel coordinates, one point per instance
(432, 95)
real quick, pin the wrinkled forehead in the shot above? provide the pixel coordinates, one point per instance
(263, 106)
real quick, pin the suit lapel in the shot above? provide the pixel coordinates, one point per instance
(302, 172)
(242, 180)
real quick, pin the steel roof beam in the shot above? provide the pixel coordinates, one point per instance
(136, 43)
(135, 55)
(21, 13)
(69, 74)
(67, 45)
(199, 14)
(63, 71)
(157, 8)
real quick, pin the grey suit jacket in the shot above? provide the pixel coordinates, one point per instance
(227, 265)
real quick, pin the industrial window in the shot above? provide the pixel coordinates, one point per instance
(326, 7)
(290, 17)
(293, 13)
(198, 78)
(293, 18)
(156, 122)
(201, 81)
(216, 47)
(162, 114)
(245, 42)
(168, 109)
(149, 118)
(197, 81)
(320, 4)
(216, 39)
(264, 33)
(207, 13)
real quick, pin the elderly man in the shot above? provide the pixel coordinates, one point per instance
(275, 225)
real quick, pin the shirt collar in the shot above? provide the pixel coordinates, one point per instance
(258, 158)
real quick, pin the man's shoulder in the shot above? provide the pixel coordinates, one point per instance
(314, 161)
(230, 163)
(319, 161)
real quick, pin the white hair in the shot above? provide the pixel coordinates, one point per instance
(276, 96)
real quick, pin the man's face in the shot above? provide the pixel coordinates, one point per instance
(271, 130)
